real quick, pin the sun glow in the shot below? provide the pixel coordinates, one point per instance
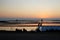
(29, 9)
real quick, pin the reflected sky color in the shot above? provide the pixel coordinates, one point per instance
(19, 28)
(29, 8)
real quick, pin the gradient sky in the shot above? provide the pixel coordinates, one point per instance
(29, 8)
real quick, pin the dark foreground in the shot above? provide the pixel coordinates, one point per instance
(30, 36)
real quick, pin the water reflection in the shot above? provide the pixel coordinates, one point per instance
(19, 28)
(50, 28)
(13, 27)
(51, 24)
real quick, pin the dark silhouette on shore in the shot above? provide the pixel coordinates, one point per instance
(37, 30)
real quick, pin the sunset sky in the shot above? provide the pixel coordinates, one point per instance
(29, 8)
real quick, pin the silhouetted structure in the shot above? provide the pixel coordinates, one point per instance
(40, 24)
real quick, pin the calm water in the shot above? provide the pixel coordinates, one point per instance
(17, 26)
(11, 28)
(20, 28)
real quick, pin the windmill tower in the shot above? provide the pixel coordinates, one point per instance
(40, 24)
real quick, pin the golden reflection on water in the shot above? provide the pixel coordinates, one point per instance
(19, 28)
(27, 28)
(51, 24)
(13, 27)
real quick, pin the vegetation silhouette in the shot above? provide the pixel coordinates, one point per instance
(18, 30)
(37, 30)
(24, 30)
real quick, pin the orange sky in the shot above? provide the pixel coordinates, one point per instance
(29, 9)
(44, 14)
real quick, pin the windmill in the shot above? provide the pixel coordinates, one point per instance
(40, 24)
